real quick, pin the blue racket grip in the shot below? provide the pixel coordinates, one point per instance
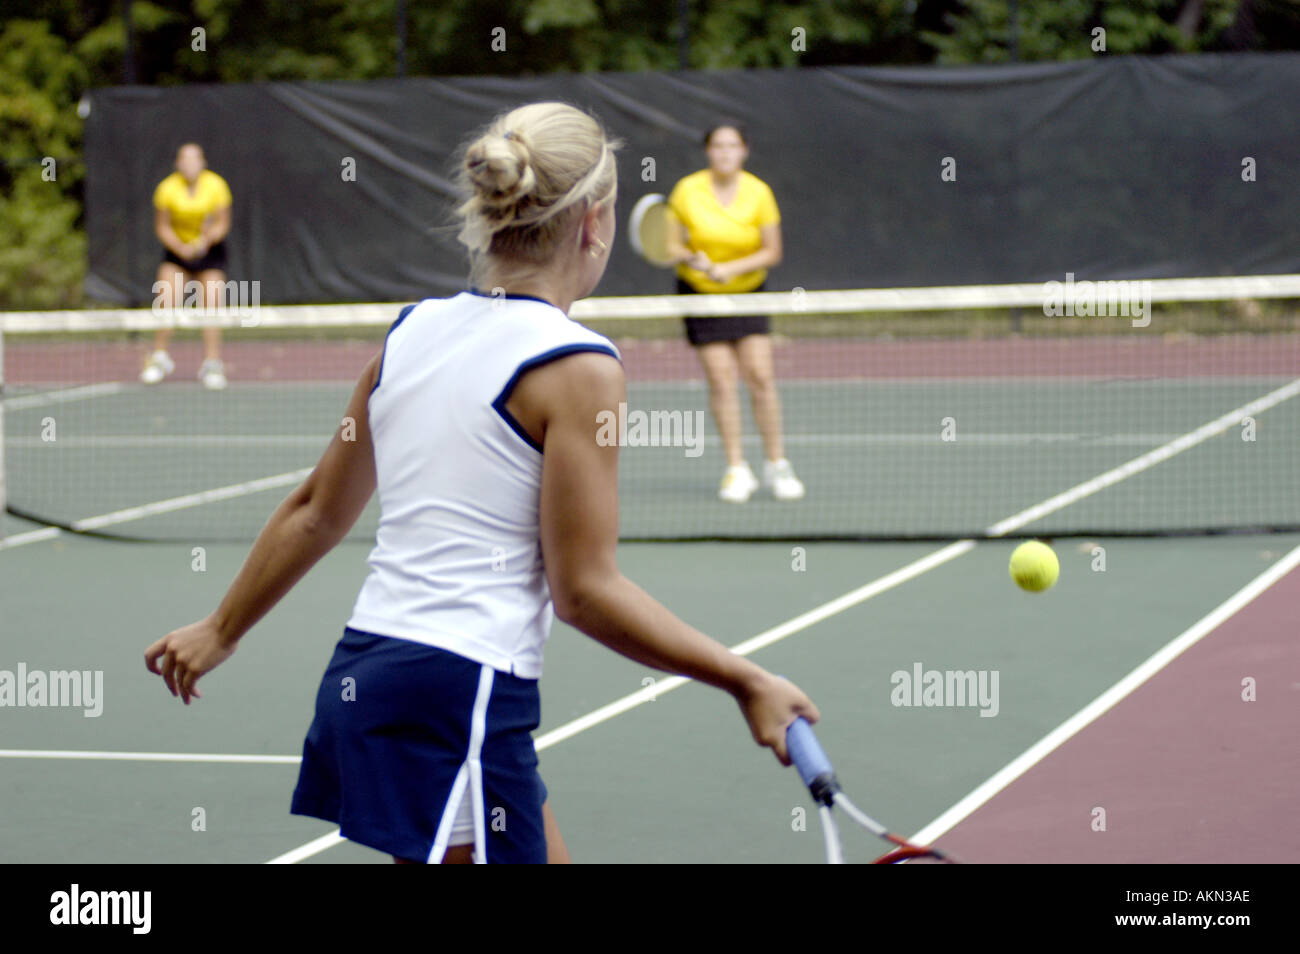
(806, 753)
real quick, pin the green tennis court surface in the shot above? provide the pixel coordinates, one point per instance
(675, 779)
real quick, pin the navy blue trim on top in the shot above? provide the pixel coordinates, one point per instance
(475, 291)
(546, 357)
(379, 375)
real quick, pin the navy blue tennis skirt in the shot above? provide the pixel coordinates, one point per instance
(400, 728)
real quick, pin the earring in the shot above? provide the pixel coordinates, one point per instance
(597, 252)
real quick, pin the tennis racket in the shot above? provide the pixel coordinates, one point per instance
(648, 229)
(816, 771)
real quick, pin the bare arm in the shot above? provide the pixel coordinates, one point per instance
(215, 227)
(162, 227)
(676, 243)
(307, 525)
(559, 403)
(768, 255)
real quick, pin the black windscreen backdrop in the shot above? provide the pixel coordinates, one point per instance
(1124, 167)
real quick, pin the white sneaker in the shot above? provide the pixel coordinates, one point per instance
(158, 367)
(778, 476)
(738, 484)
(213, 374)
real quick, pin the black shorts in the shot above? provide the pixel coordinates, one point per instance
(215, 258)
(729, 328)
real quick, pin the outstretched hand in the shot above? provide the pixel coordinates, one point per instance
(186, 654)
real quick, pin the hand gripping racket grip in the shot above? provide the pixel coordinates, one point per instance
(813, 765)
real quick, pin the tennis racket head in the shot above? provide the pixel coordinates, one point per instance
(648, 229)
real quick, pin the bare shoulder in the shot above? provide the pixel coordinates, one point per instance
(590, 373)
(569, 389)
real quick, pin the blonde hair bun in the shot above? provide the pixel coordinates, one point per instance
(523, 174)
(500, 170)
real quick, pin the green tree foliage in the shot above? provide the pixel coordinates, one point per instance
(42, 251)
(51, 51)
(981, 30)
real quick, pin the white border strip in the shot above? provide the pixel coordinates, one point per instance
(793, 302)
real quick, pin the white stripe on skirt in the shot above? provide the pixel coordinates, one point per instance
(471, 775)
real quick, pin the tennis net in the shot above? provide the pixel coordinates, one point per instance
(924, 413)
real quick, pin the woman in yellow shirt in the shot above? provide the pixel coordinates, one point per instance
(191, 219)
(726, 235)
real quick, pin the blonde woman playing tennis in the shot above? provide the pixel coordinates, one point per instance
(499, 510)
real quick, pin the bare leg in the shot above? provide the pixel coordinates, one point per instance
(171, 295)
(557, 852)
(213, 280)
(720, 367)
(755, 353)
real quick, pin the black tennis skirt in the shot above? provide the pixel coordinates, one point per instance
(215, 258)
(729, 328)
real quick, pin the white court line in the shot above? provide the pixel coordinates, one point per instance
(62, 396)
(148, 756)
(314, 847)
(31, 536)
(1108, 699)
(163, 506)
(192, 500)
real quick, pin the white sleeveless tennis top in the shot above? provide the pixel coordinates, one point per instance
(457, 561)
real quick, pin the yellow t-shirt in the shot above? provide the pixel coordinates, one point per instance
(724, 233)
(188, 212)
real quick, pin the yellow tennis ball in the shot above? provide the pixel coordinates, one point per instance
(1034, 566)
